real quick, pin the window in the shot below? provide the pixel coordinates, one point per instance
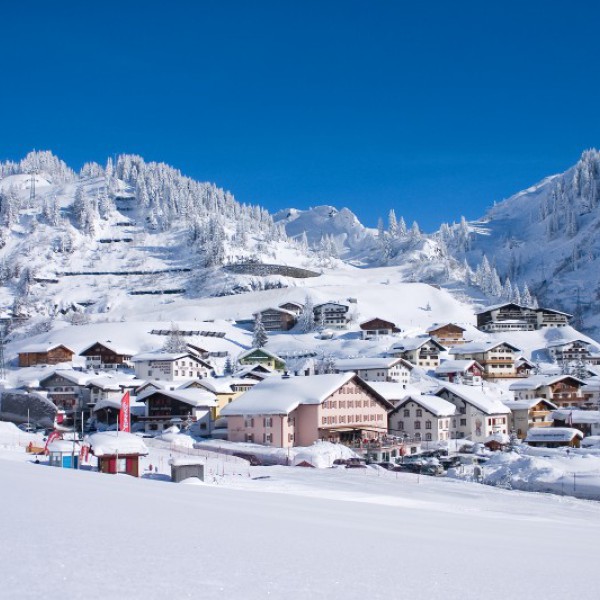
(176, 372)
(267, 422)
(290, 437)
(417, 424)
(406, 412)
(463, 422)
(427, 424)
(428, 437)
(401, 425)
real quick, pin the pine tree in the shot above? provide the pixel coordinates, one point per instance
(259, 336)
(307, 316)
(392, 224)
(526, 296)
(175, 342)
(402, 228)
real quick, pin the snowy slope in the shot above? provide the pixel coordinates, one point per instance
(388, 537)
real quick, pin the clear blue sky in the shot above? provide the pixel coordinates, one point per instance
(433, 108)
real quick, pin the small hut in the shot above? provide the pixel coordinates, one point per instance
(64, 453)
(186, 467)
(117, 452)
(497, 442)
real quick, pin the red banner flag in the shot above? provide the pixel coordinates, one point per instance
(53, 436)
(125, 415)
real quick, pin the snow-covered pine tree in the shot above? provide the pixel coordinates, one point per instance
(526, 299)
(307, 316)
(259, 334)
(392, 224)
(175, 342)
(402, 230)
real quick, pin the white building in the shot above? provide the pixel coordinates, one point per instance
(496, 357)
(479, 413)
(331, 314)
(377, 369)
(424, 418)
(420, 351)
(167, 366)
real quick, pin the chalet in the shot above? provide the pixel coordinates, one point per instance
(117, 452)
(167, 407)
(45, 354)
(377, 369)
(587, 421)
(373, 329)
(554, 437)
(293, 307)
(277, 319)
(331, 314)
(298, 411)
(170, 366)
(67, 389)
(256, 372)
(260, 356)
(468, 371)
(422, 417)
(447, 334)
(562, 390)
(563, 351)
(510, 316)
(106, 355)
(524, 367)
(225, 389)
(496, 358)
(107, 410)
(420, 351)
(478, 413)
(111, 387)
(526, 414)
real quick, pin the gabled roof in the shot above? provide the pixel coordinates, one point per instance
(457, 366)
(537, 381)
(109, 443)
(115, 382)
(354, 364)
(331, 304)
(248, 353)
(433, 404)
(45, 347)
(553, 311)
(276, 309)
(580, 417)
(392, 391)
(437, 326)
(112, 347)
(529, 403)
(560, 343)
(219, 385)
(257, 370)
(193, 397)
(475, 396)
(366, 321)
(478, 347)
(76, 377)
(280, 395)
(408, 344)
(497, 306)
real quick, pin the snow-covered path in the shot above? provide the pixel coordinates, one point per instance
(69, 534)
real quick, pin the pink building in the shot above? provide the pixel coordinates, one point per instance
(298, 411)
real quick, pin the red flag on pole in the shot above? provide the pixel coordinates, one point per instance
(53, 436)
(124, 414)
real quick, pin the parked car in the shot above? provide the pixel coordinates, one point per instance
(251, 458)
(26, 427)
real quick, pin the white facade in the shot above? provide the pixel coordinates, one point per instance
(377, 369)
(170, 367)
(331, 314)
(422, 418)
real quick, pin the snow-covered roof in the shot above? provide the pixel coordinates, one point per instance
(500, 438)
(354, 364)
(365, 321)
(408, 344)
(115, 382)
(76, 377)
(390, 390)
(112, 347)
(437, 326)
(65, 446)
(135, 406)
(537, 381)
(276, 309)
(163, 356)
(281, 395)
(577, 416)
(263, 350)
(552, 434)
(42, 348)
(490, 405)
(182, 461)
(497, 306)
(456, 366)
(560, 343)
(434, 404)
(479, 347)
(109, 443)
(193, 396)
(528, 403)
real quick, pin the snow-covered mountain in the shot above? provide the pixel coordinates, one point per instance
(129, 237)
